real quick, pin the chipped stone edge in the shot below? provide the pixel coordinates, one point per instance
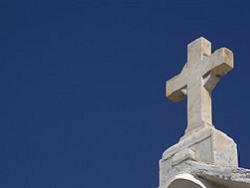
(210, 173)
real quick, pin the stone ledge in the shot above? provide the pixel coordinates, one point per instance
(210, 175)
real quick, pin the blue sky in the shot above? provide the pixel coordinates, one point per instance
(82, 101)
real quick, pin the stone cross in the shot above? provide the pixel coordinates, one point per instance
(198, 79)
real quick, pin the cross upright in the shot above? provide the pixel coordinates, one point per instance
(197, 80)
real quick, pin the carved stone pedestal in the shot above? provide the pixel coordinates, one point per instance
(207, 145)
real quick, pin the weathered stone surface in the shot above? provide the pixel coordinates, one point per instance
(207, 145)
(201, 175)
(197, 80)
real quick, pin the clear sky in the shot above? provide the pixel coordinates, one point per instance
(82, 101)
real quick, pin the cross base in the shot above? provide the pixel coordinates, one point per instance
(207, 145)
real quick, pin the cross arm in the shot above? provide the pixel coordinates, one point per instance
(221, 62)
(218, 64)
(176, 88)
